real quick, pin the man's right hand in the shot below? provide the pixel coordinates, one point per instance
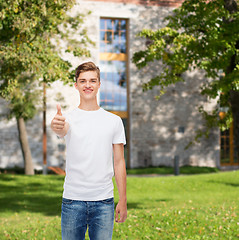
(59, 124)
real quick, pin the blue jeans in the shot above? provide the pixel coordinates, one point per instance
(77, 215)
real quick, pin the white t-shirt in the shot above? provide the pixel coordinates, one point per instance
(89, 150)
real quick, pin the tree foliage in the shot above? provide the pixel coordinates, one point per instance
(204, 35)
(33, 36)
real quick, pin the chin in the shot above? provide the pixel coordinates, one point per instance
(89, 97)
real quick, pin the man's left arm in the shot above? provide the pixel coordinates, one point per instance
(120, 178)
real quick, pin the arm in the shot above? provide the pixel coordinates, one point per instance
(120, 177)
(59, 124)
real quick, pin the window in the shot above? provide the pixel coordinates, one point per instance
(113, 70)
(228, 153)
(113, 65)
(225, 146)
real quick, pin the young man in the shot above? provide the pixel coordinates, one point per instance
(92, 135)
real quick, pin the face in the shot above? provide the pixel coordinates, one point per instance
(88, 85)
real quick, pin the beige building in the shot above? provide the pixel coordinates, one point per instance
(157, 130)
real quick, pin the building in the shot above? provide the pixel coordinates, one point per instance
(157, 130)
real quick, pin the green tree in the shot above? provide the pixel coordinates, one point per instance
(33, 34)
(204, 35)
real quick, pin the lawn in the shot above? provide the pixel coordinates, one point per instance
(204, 206)
(170, 170)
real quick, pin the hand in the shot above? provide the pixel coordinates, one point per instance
(58, 123)
(121, 211)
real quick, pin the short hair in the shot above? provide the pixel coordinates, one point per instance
(86, 67)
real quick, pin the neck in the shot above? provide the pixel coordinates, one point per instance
(89, 105)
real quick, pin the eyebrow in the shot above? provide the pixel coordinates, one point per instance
(86, 79)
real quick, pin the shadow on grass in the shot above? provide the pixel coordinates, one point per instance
(37, 195)
(162, 200)
(6, 178)
(170, 170)
(226, 183)
(142, 205)
(131, 205)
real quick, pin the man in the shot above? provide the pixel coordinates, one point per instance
(92, 135)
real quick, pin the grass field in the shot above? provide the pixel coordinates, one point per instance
(204, 206)
(170, 170)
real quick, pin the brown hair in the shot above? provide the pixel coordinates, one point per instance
(86, 67)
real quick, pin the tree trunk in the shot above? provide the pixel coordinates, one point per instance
(232, 7)
(234, 100)
(26, 152)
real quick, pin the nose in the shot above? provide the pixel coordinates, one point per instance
(87, 84)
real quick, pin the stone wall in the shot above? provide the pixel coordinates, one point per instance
(158, 130)
(161, 129)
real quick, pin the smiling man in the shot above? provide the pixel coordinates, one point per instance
(92, 135)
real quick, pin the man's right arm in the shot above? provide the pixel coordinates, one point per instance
(59, 124)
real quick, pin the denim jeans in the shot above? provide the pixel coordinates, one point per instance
(76, 216)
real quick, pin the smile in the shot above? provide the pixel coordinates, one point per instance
(88, 90)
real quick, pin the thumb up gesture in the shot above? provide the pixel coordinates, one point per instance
(58, 107)
(59, 124)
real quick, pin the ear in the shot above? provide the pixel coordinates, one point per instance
(75, 84)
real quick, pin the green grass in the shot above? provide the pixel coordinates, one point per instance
(150, 170)
(170, 170)
(201, 206)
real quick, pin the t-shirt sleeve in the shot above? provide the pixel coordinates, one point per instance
(119, 134)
